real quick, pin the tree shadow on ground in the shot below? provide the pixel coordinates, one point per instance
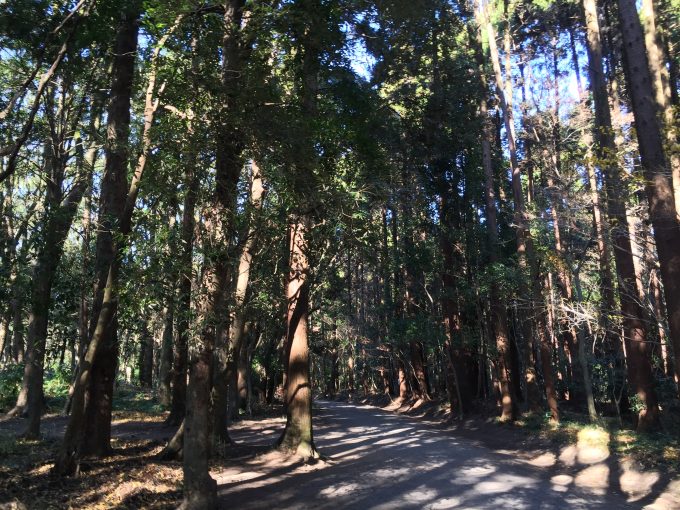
(382, 460)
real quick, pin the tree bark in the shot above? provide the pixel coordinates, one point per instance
(89, 427)
(237, 323)
(662, 92)
(56, 228)
(298, 435)
(658, 186)
(639, 367)
(525, 251)
(200, 490)
(498, 312)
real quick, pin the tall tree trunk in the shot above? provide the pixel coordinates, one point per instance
(298, 436)
(525, 249)
(662, 92)
(242, 278)
(498, 312)
(186, 249)
(168, 314)
(639, 367)
(199, 488)
(97, 434)
(89, 428)
(165, 361)
(564, 271)
(146, 358)
(56, 228)
(658, 186)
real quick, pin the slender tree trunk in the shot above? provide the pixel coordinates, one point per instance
(146, 358)
(17, 308)
(56, 227)
(662, 92)
(165, 362)
(498, 312)
(242, 278)
(525, 250)
(165, 357)
(186, 249)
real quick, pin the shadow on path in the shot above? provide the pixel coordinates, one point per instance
(379, 460)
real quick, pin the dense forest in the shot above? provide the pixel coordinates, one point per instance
(241, 206)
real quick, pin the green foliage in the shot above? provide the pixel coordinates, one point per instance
(10, 384)
(57, 383)
(131, 398)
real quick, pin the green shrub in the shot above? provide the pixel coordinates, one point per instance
(10, 383)
(57, 382)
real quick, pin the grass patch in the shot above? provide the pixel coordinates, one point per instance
(137, 400)
(658, 450)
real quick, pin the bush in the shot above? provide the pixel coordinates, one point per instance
(57, 382)
(10, 384)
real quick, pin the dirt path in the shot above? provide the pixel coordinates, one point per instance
(380, 460)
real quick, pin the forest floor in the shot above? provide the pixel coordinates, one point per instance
(372, 458)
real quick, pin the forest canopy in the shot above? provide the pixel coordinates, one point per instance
(235, 206)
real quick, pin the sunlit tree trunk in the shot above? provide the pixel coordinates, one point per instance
(658, 186)
(635, 335)
(89, 427)
(298, 435)
(525, 251)
(498, 311)
(662, 92)
(237, 324)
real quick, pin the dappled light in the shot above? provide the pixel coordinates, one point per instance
(339, 254)
(382, 460)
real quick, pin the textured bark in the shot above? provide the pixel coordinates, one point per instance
(662, 92)
(298, 435)
(199, 488)
(639, 367)
(499, 317)
(401, 378)
(237, 323)
(525, 251)
(97, 435)
(89, 427)
(422, 384)
(658, 187)
(229, 153)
